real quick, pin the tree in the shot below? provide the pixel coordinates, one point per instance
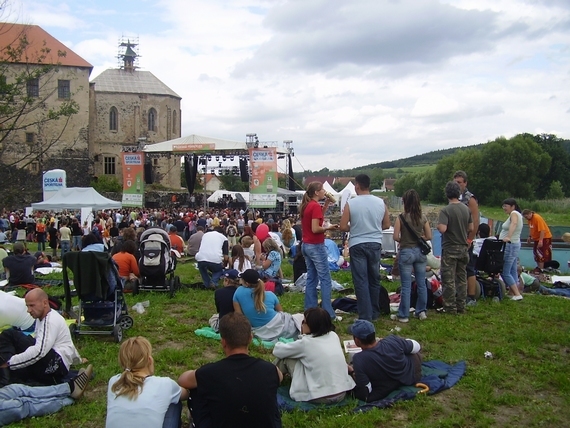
(234, 183)
(559, 168)
(556, 191)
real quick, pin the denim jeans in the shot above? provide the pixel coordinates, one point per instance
(317, 261)
(76, 242)
(65, 247)
(510, 273)
(408, 259)
(365, 269)
(205, 268)
(172, 416)
(21, 401)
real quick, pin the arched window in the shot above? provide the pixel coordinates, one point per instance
(113, 119)
(152, 120)
(174, 122)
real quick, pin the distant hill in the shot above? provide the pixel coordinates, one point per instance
(429, 158)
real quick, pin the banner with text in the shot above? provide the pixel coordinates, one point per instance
(263, 182)
(133, 179)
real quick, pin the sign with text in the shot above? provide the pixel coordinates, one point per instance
(198, 147)
(133, 179)
(263, 180)
(53, 181)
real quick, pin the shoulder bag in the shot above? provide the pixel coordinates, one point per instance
(425, 248)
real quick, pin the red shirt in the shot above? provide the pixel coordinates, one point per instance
(313, 210)
(176, 242)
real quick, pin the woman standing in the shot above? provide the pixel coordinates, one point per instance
(315, 362)
(410, 257)
(138, 398)
(313, 248)
(511, 234)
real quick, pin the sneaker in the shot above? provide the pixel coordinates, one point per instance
(81, 381)
(337, 319)
(394, 317)
(516, 298)
(472, 302)
(422, 316)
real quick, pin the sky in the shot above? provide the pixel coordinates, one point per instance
(350, 82)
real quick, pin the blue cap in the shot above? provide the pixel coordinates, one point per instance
(231, 274)
(362, 329)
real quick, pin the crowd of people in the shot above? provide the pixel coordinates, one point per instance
(244, 250)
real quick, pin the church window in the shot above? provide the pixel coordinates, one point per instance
(113, 119)
(152, 120)
(110, 166)
(63, 89)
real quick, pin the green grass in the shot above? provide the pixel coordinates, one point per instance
(552, 217)
(396, 172)
(526, 384)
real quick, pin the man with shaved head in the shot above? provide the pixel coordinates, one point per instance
(44, 360)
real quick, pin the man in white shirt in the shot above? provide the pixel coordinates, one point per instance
(44, 360)
(14, 313)
(212, 257)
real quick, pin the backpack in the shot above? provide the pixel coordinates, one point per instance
(232, 231)
(40, 228)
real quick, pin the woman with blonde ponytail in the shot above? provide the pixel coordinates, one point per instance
(137, 398)
(263, 310)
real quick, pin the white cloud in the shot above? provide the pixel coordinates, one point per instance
(351, 83)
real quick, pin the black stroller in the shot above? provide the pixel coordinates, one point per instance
(157, 263)
(102, 306)
(489, 266)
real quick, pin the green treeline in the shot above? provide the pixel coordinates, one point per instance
(525, 166)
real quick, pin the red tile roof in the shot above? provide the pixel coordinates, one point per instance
(38, 39)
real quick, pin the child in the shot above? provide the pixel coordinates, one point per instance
(223, 297)
(247, 245)
(239, 261)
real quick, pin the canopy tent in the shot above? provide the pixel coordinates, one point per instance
(74, 198)
(200, 144)
(330, 189)
(347, 193)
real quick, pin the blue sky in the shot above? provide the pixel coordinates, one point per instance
(351, 83)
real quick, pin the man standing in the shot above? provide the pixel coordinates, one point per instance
(540, 233)
(239, 390)
(45, 359)
(365, 217)
(454, 224)
(65, 238)
(469, 199)
(383, 365)
(212, 257)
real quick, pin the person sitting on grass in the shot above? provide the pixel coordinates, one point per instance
(262, 309)
(14, 313)
(127, 264)
(315, 362)
(271, 259)
(45, 359)
(19, 266)
(384, 365)
(237, 391)
(19, 401)
(137, 398)
(239, 261)
(223, 297)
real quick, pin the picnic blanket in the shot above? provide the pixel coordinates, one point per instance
(210, 333)
(438, 375)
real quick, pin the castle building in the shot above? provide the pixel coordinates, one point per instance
(128, 109)
(120, 110)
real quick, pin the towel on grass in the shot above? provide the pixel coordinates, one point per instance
(210, 333)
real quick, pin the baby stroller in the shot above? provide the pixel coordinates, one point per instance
(157, 263)
(102, 306)
(488, 267)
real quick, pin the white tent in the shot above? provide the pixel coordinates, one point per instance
(200, 144)
(329, 189)
(74, 198)
(347, 193)
(213, 198)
